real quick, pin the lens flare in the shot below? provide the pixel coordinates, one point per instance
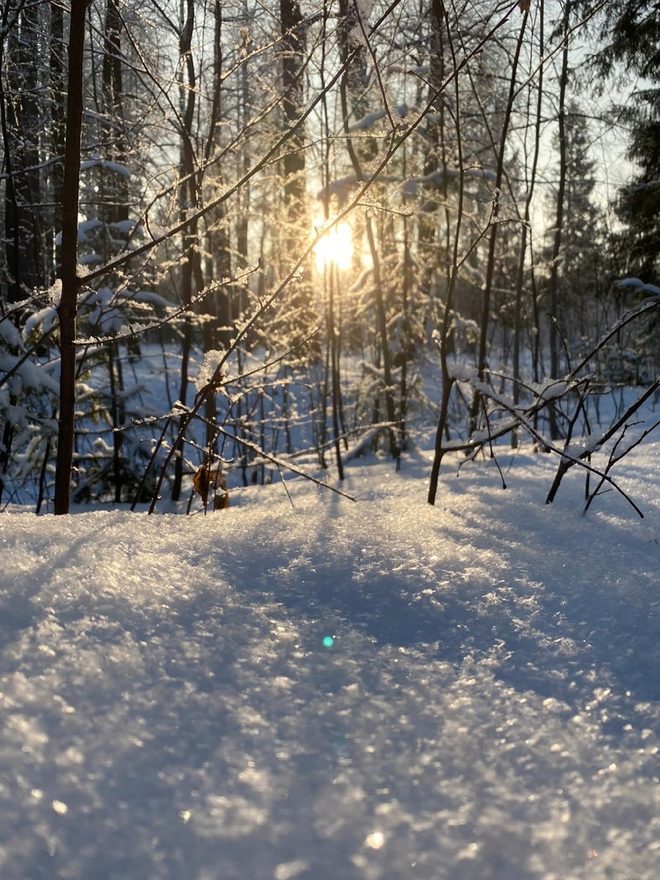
(335, 248)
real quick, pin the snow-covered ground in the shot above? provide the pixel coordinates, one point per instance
(338, 691)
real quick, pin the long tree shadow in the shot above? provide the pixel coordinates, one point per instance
(579, 631)
(19, 609)
(183, 695)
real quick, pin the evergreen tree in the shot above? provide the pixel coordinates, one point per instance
(632, 34)
(639, 202)
(580, 272)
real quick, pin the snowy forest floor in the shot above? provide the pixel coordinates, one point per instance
(338, 691)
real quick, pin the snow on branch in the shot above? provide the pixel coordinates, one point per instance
(106, 164)
(638, 286)
(440, 176)
(368, 121)
(277, 460)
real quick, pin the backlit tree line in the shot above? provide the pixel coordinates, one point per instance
(243, 239)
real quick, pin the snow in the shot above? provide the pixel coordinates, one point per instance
(487, 706)
(9, 334)
(370, 119)
(209, 365)
(638, 286)
(440, 176)
(85, 228)
(550, 389)
(97, 162)
(89, 227)
(125, 227)
(338, 187)
(26, 376)
(40, 321)
(90, 259)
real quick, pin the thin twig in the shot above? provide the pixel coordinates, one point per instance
(276, 460)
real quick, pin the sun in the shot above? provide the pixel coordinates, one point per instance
(335, 248)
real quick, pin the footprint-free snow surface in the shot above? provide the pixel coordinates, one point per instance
(337, 691)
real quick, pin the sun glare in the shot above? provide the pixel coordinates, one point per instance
(335, 248)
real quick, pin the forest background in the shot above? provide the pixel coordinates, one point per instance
(244, 238)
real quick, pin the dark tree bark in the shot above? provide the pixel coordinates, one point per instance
(520, 276)
(293, 62)
(22, 125)
(115, 209)
(435, 250)
(70, 281)
(218, 237)
(482, 361)
(445, 331)
(113, 126)
(57, 125)
(191, 268)
(559, 218)
(297, 222)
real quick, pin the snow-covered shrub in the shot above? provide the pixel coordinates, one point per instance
(28, 394)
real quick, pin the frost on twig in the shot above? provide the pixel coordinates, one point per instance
(551, 393)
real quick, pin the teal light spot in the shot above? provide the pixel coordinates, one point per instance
(328, 641)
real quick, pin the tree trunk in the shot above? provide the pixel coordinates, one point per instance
(22, 124)
(292, 86)
(559, 220)
(70, 281)
(57, 128)
(116, 211)
(520, 277)
(482, 362)
(189, 200)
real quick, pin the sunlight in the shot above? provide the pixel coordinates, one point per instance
(335, 248)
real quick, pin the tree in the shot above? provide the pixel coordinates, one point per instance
(68, 305)
(22, 121)
(631, 34)
(208, 129)
(580, 267)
